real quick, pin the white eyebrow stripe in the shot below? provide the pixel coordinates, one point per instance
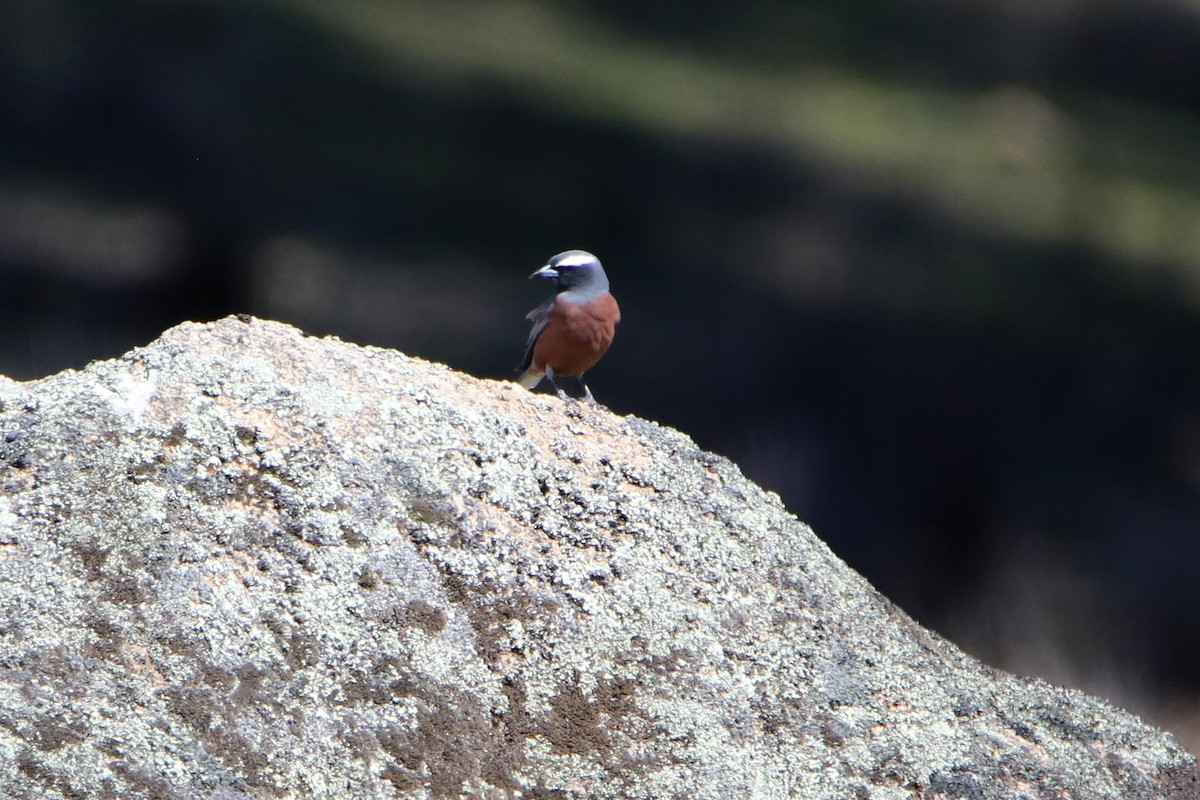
(576, 260)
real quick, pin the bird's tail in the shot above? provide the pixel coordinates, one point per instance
(530, 378)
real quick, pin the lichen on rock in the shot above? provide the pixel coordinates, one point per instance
(245, 563)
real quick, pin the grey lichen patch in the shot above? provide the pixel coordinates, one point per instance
(574, 724)
(52, 733)
(216, 718)
(455, 742)
(92, 556)
(422, 615)
(579, 724)
(244, 563)
(40, 777)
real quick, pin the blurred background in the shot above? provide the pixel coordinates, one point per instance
(929, 269)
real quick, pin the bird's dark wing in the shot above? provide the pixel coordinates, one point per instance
(538, 317)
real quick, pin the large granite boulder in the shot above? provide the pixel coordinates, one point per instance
(243, 563)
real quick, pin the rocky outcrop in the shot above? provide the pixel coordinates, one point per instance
(243, 563)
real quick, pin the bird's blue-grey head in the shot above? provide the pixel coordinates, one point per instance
(575, 271)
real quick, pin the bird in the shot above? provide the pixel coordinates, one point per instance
(573, 329)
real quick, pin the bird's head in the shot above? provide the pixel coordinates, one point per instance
(576, 271)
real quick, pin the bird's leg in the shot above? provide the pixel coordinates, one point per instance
(561, 394)
(587, 393)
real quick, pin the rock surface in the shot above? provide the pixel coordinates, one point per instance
(243, 563)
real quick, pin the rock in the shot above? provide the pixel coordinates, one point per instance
(243, 563)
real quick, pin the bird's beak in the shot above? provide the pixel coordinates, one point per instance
(545, 272)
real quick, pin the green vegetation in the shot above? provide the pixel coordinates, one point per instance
(1114, 176)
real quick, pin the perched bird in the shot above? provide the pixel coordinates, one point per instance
(575, 327)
